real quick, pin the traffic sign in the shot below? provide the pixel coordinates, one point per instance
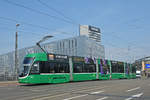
(147, 65)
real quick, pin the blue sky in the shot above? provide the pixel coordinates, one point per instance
(124, 24)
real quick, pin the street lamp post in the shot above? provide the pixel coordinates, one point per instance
(16, 52)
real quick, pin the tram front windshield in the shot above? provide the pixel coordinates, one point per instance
(26, 66)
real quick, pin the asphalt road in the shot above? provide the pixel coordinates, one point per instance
(133, 89)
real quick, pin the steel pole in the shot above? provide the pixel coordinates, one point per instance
(16, 53)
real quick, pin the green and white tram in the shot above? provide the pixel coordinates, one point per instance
(53, 68)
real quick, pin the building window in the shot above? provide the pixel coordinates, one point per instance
(63, 45)
(72, 43)
(60, 45)
(69, 44)
(75, 42)
(60, 48)
(57, 50)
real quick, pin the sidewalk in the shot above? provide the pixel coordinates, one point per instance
(8, 82)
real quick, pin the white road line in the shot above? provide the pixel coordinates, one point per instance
(133, 89)
(48, 97)
(42, 97)
(87, 90)
(102, 98)
(129, 98)
(76, 97)
(137, 95)
(34, 90)
(97, 92)
(134, 96)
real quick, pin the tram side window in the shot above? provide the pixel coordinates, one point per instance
(114, 68)
(44, 67)
(90, 68)
(66, 67)
(61, 68)
(35, 68)
(78, 67)
(51, 67)
(120, 69)
(56, 68)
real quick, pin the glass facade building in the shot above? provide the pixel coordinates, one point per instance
(76, 46)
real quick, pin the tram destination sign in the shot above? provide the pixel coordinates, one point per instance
(62, 58)
(57, 57)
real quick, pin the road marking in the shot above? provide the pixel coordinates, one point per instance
(88, 90)
(42, 97)
(76, 97)
(133, 89)
(97, 92)
(102, 98)
(34, 90)
(72, 90)
(129, 98)
(135, 96)
(47, 97)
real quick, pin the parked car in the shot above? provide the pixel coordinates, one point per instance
(138, 74)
